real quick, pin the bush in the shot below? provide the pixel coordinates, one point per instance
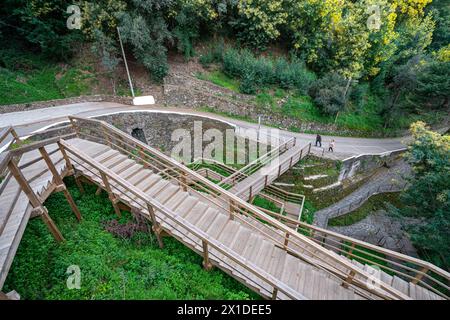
(232, 63)
(248, 83)
(328, 93)
(213, 55)
(263, 71)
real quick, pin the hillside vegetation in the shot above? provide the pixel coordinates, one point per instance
(365, 65)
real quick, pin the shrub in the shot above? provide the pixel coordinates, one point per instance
(265, 71)
(248, 83)
(328, 93)
(213, 55)
(232, 63)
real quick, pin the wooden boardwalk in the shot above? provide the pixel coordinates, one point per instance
(15, 207)
(253, 184)
(257, 250)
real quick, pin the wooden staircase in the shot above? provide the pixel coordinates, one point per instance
(257, 250)
(308, 281)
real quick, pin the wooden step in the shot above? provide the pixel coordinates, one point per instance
(400, 285)
(168, 193)
(196, 213)
(217, 225)
(131, 171)
(179, 197)
(276, 263)
(186, 206)
(156, 188)
(205, 221)
(228, 232)
(241, 240)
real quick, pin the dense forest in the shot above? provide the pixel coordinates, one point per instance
(391, 54)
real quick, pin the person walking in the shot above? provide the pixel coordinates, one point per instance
(318, 141)
(331, 146)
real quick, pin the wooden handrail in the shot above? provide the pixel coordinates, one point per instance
(423, 265)
(259, 160)
(244, 207)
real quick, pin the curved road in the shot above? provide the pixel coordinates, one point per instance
(27, 122)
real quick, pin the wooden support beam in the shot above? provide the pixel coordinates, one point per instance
(51, 225)
(34, 200)
(79, 183)
(98, 191)
(156, 227)
(206, 263)
(16, 136)
(110, 194)
(60, 183)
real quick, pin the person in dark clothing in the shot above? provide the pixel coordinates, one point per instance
(318, 140)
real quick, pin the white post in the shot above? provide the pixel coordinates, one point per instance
(125, 61)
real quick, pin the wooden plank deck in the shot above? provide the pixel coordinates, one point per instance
(15, 208)
(247, 238)
(263, 177)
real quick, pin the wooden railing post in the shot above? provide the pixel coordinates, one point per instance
(279, 170)
(265, 181)
(231, 209)
(349, 254)
(309, 148)
(286, 240)
(155, 225)
(274, 293)
(206, 263)
(35, 202)
(60, 186)
(419, 276)
(106, 136)
(15, 136)
(142, 155)
(183, 180)
(349, 279)
(75, 127)
(111, 195)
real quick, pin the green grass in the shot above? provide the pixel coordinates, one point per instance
(265, 204)
(219, 78)
(46, 83)
(111, 267)
(361, 254)
(373, 204)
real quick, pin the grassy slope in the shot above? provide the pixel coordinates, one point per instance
(111, 267)
(364, 121)
(373, 204)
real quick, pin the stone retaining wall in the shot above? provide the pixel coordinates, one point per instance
(59, 102)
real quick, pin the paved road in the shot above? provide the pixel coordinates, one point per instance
(27, 122)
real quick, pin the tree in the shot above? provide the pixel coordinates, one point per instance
(259, 21)
(104, 47)
(432, 89)
(428, 195)
(41, 24)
